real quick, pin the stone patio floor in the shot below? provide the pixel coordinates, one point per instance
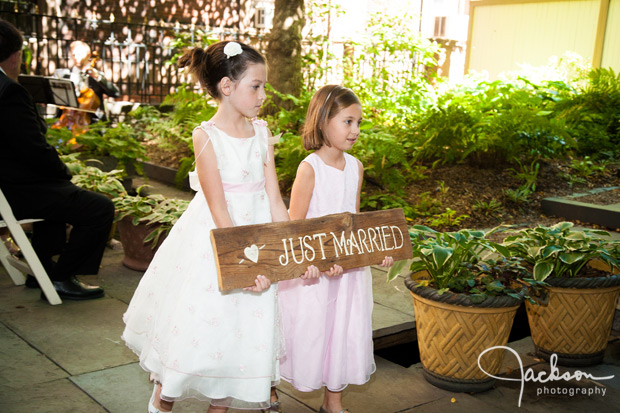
(70, 358)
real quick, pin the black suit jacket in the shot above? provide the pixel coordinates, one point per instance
(32, 176)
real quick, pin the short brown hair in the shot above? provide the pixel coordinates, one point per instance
(324, 105)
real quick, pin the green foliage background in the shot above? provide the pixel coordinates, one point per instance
(413, 120)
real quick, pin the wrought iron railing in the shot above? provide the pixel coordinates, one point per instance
(135, 56)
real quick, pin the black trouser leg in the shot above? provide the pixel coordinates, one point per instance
(90, 215)
(48, 239)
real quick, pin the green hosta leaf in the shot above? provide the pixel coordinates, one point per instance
(550, 250)
(417, 266)
(534, 251)
(502, 250)
(571, 257)
(576, 235)
(442, 291)
(441, 255)
(542, 269)
(396, 269)
(599, 232)
(422, 229)
(565, 225)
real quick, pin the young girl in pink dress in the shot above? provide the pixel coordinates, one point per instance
(327, 321)
(194, 340)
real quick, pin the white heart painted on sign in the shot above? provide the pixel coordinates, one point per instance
(251, 253)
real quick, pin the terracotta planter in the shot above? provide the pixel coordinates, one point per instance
(453, 331)
(577, 321)
(138, 255)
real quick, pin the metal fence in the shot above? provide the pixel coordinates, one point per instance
(134, 56)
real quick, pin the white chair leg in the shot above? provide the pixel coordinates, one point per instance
(16, 275)
(34, 264)
(37, 268)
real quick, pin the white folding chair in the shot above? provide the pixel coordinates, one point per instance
(15, 267)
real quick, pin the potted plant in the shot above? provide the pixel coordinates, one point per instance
(114, 147)
(466, 290)
(93, 178)
(578, 266)
(143, 223)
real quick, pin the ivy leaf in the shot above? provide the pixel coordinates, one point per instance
(477, 298)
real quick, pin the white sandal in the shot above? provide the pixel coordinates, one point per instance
(151, 408)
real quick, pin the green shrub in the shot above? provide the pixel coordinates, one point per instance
(101, 140)
(492, 123)
(593, 114)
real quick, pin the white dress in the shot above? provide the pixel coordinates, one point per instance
(196, 341)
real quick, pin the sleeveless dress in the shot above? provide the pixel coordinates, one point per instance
(195, 340)
(327, 321)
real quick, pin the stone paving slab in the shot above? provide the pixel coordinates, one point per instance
(557, 395)
(457, 402)
(612, 352)
(103, 374)
(118, 389)
(22, 365)
(393, 309)
(18, 298)
(127, 389)
(118, 281)
(53, 397)
(560, 394)
(392, 388)
(525, 349)
(78, 336)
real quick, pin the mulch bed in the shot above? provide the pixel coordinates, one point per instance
(602, 198)
(459, 187)
(463, 185)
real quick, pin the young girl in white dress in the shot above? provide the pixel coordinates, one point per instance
(194, 340)
(327, 321)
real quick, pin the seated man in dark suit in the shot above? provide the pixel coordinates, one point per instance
(84, 76)
(38, 185)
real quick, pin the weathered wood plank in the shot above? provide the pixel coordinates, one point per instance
(283, 250)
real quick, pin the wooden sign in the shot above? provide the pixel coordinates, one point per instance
(284, 250)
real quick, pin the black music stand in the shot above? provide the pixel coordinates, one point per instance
(50, 90)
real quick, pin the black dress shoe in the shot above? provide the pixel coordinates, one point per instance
(74, 289)
(32, 282)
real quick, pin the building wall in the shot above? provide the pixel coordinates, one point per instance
(611, 45)
(505, 33)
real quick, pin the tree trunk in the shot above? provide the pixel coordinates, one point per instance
(284, 50)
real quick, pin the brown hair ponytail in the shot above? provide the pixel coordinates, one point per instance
(210, 65)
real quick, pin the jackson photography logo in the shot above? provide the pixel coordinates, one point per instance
(548, 378)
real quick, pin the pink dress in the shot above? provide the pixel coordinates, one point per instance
(327, 321)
